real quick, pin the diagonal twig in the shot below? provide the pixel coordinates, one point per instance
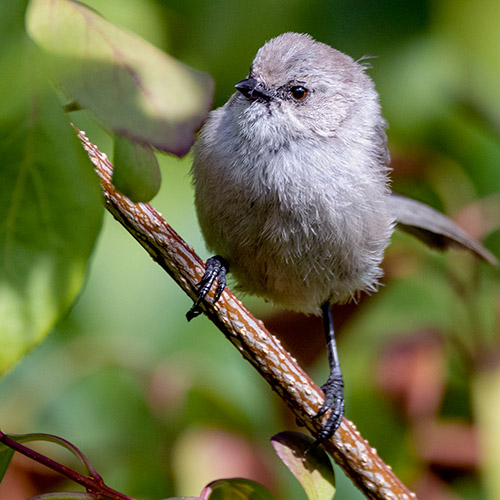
(248, 334)
(93, 483)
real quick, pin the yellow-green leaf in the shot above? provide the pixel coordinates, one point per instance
(129, 85)
(230, 489)
(310, 465)
(50, 211)
(136, 172)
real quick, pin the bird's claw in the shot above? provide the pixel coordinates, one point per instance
(216, 268)
(334, 401)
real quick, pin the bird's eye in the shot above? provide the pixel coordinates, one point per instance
(299, 93)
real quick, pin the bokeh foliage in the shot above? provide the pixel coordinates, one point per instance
(162, 407)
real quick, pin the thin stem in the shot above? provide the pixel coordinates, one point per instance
(91, 484)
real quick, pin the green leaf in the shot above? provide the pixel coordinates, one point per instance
(183, 498)
(136, 172)
(50, 211)
(310, 465)
(235, 489)
(132, 87)
(6, 455)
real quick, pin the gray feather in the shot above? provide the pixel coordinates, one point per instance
(434, 228)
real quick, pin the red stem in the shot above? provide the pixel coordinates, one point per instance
(91, 484)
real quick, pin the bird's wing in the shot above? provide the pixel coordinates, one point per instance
(434, 228)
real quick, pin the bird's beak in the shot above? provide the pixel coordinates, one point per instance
(252, 89)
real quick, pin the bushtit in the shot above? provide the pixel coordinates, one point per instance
(292, 190)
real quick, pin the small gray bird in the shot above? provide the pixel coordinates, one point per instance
(292, 189)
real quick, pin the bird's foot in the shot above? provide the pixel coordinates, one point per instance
(334, 401)
(216, 268)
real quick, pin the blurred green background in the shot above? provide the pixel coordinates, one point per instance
(162, 407)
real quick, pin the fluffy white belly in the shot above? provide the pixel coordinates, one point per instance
(298, 254)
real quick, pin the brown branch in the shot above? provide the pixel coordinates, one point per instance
(248, 334)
